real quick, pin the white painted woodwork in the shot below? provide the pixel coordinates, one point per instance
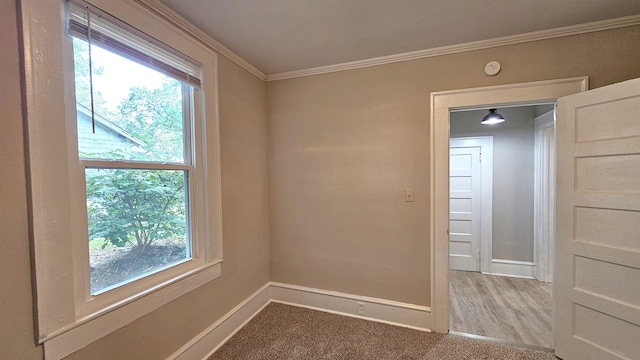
(335, 32)
(464, 219)
(570, 30)
(177, 19)
(485, 144)
(512, 268)
(215, 335)
(207, 39)
(597, 281)
(68, 319)
(203, 345)
(375, 309)
(544, 196)
(441, 105)
(464, 208)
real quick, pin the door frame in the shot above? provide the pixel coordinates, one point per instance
(544, 222)
(441, 105)
(485, 143)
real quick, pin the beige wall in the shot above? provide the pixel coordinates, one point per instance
(17, 336)
(245, 226)
(513, 154)
(246, 264)
(343, 146)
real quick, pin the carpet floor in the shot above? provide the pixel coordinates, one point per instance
(288, 332)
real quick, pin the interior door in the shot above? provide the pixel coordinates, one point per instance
(597, 281)
(464, 207)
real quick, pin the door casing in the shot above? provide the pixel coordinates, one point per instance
(545, 196)
(441, 105)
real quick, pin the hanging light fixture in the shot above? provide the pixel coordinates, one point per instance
(492, 118)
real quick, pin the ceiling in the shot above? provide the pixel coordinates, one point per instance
(278, 36)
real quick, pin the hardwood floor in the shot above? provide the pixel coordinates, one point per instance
(506, 308)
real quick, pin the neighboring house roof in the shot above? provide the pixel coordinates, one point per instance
(104, 122)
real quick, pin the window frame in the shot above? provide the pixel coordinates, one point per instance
(67, 319)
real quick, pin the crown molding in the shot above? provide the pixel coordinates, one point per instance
(167, 14)
(626, 21)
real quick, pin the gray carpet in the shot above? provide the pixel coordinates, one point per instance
(289, 332)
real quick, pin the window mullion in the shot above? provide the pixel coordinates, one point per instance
(133, 165)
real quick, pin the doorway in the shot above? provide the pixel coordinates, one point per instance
(441, 104)
(597, 208)
(503, 300)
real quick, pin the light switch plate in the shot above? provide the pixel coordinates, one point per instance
(408, 194)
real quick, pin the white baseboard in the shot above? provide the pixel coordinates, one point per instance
(214, 336)
(375, 309)
(460, 262)
(363, 307)
(521, 269)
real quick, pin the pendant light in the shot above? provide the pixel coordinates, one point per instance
(492, 118)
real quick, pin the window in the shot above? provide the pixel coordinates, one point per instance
(124, 166)
(134, 121)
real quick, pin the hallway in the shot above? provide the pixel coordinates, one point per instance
(506, 308)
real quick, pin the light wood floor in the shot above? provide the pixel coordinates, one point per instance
(512, 309)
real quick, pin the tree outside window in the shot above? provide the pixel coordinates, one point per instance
(138, 211)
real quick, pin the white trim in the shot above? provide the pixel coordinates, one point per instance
(390, 312)
(486, 195)
(210, 339)
(602, 25)
(166, 13)
(364, 307)
(62, 322)
(512, 268)
(163, 11)
(544, 196)
(441, 104)
(91, 328)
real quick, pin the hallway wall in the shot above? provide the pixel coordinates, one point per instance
(513, 166)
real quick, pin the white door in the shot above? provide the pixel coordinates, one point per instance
(464, 207)
(597, 280)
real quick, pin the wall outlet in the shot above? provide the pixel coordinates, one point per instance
(360, 308)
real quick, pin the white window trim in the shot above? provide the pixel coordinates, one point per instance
(64, 325)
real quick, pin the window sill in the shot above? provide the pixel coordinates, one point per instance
(94, 326)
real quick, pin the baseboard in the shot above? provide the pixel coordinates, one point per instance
(460, 262)
(214, 336)
(363, 307)
(375, 309)
(521, 269)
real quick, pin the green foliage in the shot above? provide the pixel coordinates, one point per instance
(135, 207)
(155, 117)
(98, 243)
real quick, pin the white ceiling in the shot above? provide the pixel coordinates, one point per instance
(278, 36)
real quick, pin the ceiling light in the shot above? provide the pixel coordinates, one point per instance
(492, 118)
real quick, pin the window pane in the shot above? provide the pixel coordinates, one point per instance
(138, 112)
(137, 223)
